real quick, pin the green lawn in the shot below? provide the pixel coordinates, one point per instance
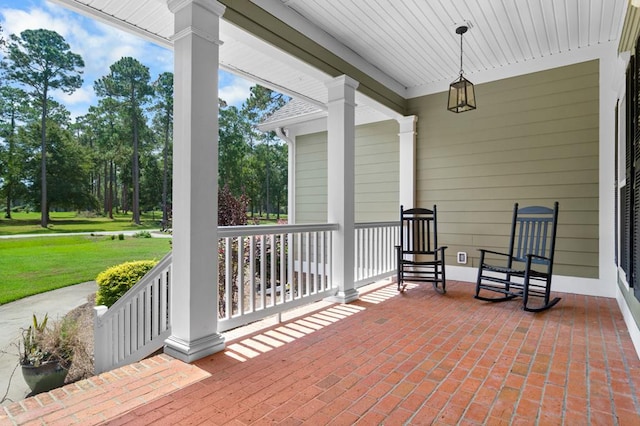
(34, 265)
(65, 222)
(38, 264)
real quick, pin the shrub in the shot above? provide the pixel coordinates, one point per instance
(232, 211)
(115, 281)
(142, 234)
(120, 237)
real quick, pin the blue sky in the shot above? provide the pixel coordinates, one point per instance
(100, 46)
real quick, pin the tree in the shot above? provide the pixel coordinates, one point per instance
(13, 107)
(108, 125)
(233, 149)
(128, 82)
(70, 166)
(42, 61)
(279, 177)
(163, 120)
(261, 103)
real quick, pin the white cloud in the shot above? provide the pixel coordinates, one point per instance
(99, 45)
(235, 91)
(83, 95)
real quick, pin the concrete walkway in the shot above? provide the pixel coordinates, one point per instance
(154, 233)
(17, 315)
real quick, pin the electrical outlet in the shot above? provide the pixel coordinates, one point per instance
(462, 257)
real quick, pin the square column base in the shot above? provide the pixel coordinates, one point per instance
(346, 296)
(192, 351)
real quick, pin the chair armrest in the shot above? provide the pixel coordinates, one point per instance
(538, 257)
(493, 252)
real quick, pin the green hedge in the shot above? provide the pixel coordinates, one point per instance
(115, 281)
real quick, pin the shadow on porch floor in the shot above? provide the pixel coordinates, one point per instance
(412, 358)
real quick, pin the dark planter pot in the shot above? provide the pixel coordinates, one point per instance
(45, 377)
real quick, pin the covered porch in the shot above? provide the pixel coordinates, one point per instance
(412, 358)
(415, 357)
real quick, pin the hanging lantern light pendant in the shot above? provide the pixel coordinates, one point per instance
(462, 95)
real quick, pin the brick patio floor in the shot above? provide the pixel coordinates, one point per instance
(413, 358)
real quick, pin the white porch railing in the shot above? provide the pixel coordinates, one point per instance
(375, 256)
(271, 269)
(264, 270)
(137, 324)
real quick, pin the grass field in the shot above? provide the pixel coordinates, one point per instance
(37, 264)
(65, 222)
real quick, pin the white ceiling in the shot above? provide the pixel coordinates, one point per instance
(408, 45)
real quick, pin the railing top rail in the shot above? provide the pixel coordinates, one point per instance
(363, 225)
(247, 230)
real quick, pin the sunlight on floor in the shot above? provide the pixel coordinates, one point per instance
(251, 347)
(383, 294)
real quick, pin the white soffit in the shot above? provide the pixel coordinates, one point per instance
(410, 46)
(413, 42)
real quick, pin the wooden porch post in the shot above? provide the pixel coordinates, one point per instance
(407, 140)
(341, 183)
(194, 298)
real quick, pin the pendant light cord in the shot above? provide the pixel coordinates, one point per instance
(461, 53)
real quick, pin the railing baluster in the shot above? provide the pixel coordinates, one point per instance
(263, 273)
(164, 287)
(252, 272)
(127, 327)
(240, 280)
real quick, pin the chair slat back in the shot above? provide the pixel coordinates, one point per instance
(534, 232)
(419, 230)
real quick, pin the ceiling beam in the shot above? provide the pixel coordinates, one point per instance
(250, 17)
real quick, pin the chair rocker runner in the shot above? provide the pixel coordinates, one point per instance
(420, 259)
(526, 270)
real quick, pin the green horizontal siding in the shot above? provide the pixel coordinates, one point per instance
(534, 139)
(376, 174)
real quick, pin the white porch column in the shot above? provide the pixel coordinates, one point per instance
(407, 140)
(194, 298)
(341, 183)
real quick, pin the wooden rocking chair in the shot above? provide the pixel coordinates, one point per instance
(526, 270)
(420, 259)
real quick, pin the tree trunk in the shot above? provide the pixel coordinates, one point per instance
(268, 185)
(124, 199)
(105, 188)
(44, 207)
(11, 166)
(136, 173)
(116, 200)
(165, 177)
(110, 194)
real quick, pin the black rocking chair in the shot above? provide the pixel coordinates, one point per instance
(420, 259)
(526, 270)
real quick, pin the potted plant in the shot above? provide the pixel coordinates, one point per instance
(47, 353)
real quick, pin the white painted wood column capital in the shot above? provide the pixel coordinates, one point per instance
(341, 183)
(194, 296)
(407, 179)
